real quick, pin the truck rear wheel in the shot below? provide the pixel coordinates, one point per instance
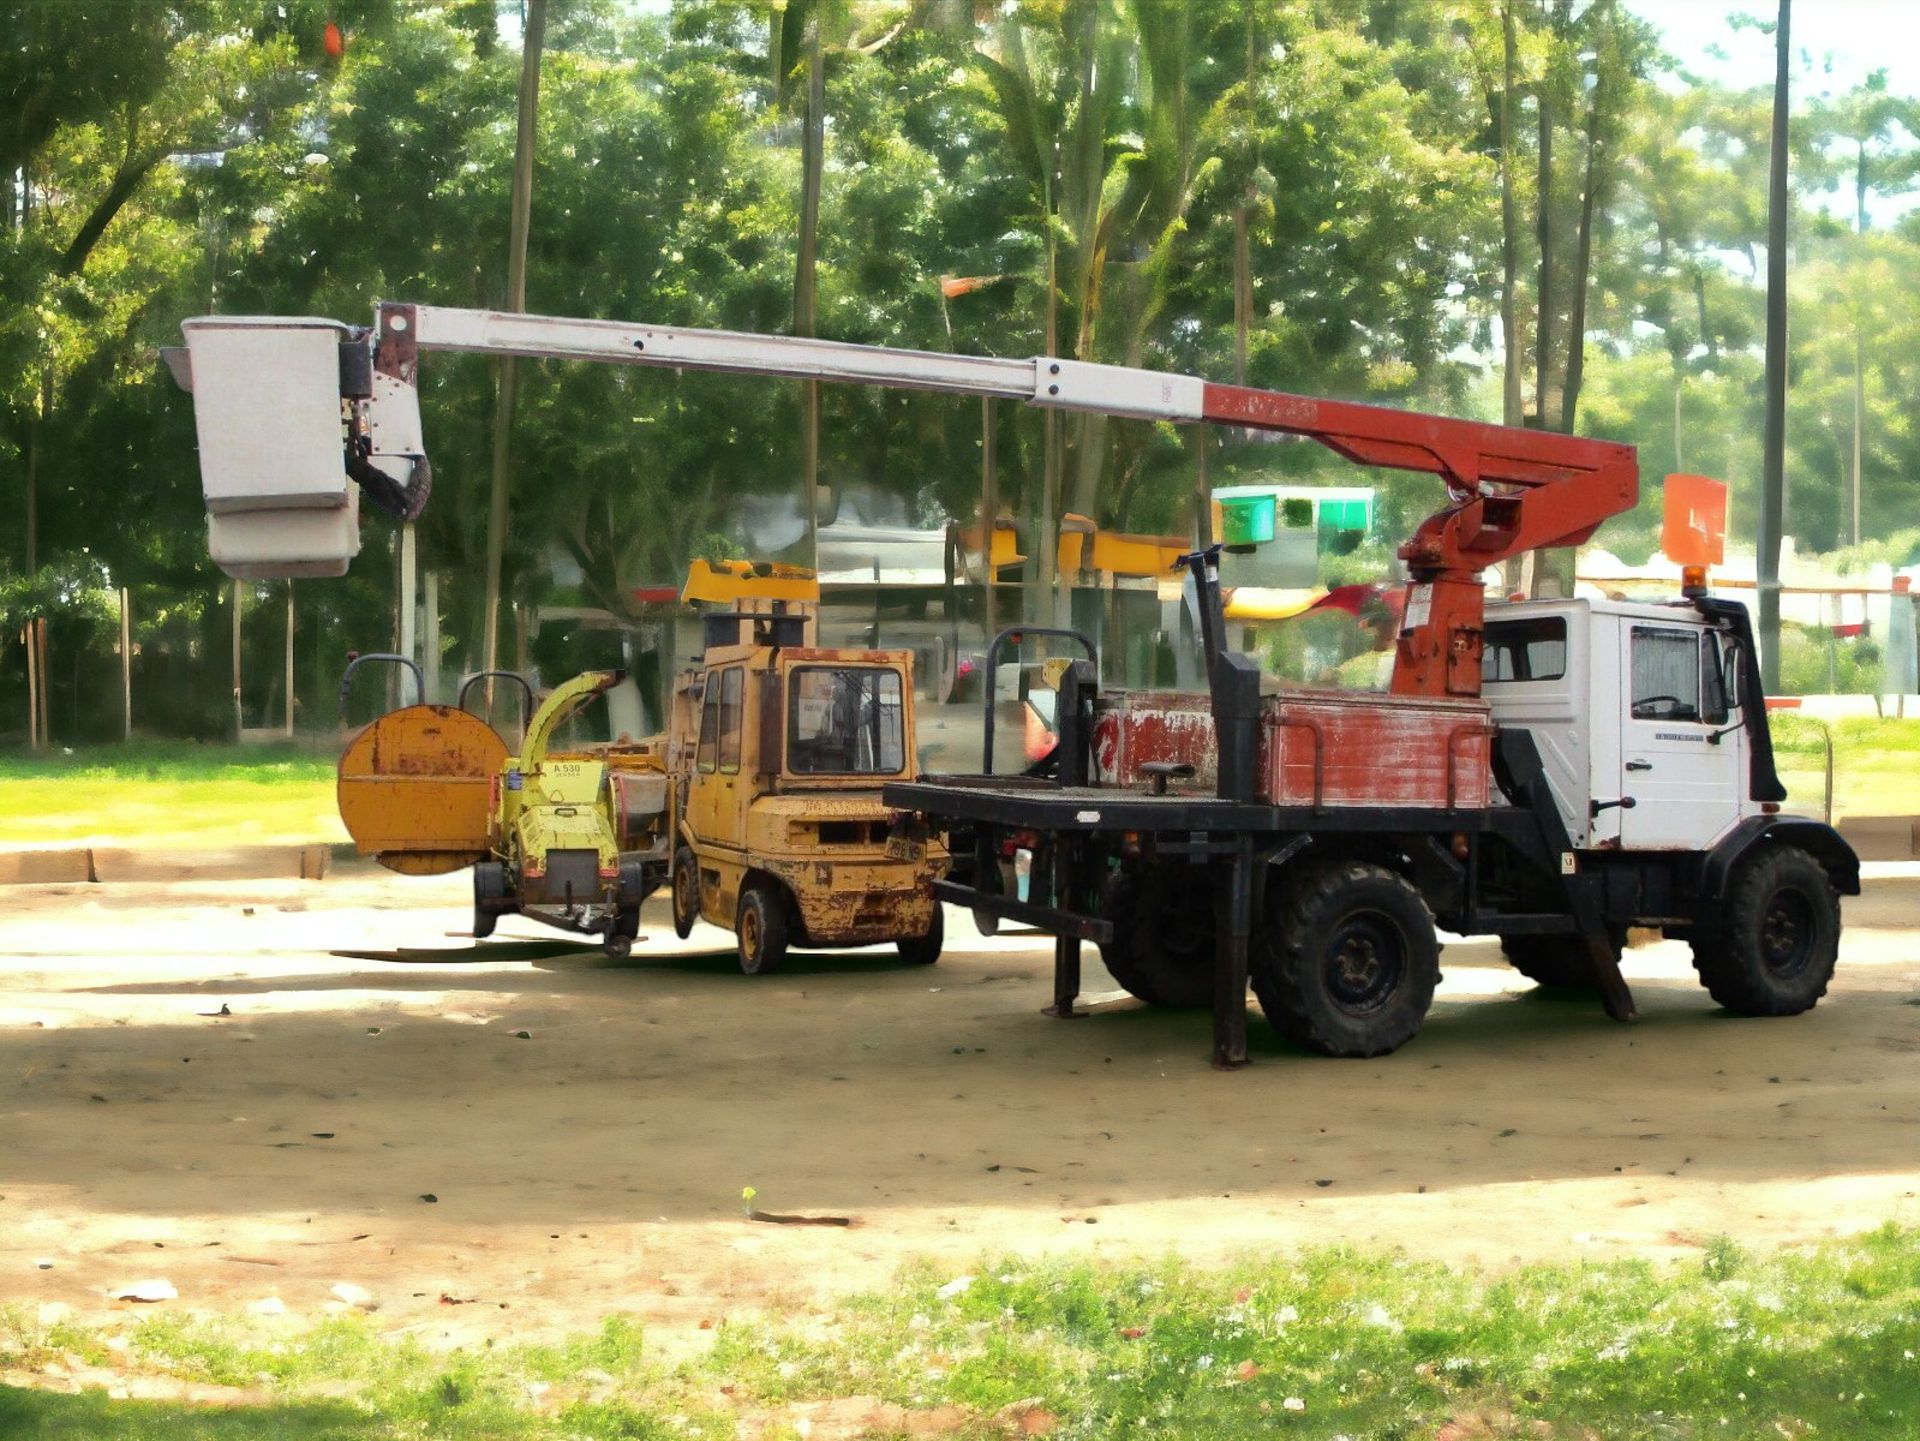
(1770, 948)
(1556, 960)
(1162, 950)
(1349, 968)
(686, 892)
(925, 950)
(761, 928)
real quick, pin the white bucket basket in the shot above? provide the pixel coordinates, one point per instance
(266, 405)
(291, 542)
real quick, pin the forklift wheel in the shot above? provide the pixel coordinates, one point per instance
(489, 889)
(761, 928)
(686, 892)
(924, 950)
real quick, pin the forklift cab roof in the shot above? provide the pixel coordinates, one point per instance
(749, 628)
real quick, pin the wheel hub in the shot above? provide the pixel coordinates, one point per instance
(1366, 957)
(1786, 933)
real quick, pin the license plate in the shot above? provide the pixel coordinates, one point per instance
(905, 848)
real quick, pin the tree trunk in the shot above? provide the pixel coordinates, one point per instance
(522, 205)
(1859, 356)
(1512, 412)
(1773, 469)
(1583, 249)
(126, 181)
(1859, 420)
(1543, 232)
(1700, 305)
(812, 166)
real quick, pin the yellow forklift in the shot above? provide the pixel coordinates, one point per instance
(778, 749)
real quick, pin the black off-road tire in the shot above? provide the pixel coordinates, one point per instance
(489, 888)
(1557, 961)
(685, 889)
(1346, 961)
(1163, 947)
(925, 950)
(761, 928)
(1770, 948)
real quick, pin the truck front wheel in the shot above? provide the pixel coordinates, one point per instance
(1770, 948)
(761, 928)
(1348, 966)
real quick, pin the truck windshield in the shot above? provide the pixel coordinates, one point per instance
(845, 721)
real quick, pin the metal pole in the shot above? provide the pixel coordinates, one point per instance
(126, 663)
(239, 716)
(46, 684)
(989, 508)
(1773, 476)
(409, 588)
(27, 639)
(290, 657)
(431, 660)
(522, 203)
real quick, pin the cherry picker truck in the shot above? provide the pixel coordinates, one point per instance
(1548, 772)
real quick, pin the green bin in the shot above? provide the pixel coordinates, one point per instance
(1246, 519)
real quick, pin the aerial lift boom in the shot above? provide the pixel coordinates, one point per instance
(1509, 490)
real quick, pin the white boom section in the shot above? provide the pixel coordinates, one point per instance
(1065, 384)
(271, 397)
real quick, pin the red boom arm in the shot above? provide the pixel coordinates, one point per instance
(1512, 491)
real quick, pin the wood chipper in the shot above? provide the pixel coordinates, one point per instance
(575, 837)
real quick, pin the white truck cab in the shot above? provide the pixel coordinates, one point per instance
(1627, 702)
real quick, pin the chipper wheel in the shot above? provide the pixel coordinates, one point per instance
(761, 928)
(1770, 948)
(1162, 948)
(924, 950)
(489, 891)
(1347, 961)
(624, 927)
(686, 892)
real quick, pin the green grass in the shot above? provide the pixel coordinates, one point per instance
(153, 792)
(166, 792)
(1876, 763)
(1819, 1341)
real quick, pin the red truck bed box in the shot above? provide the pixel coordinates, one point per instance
(1317, 747)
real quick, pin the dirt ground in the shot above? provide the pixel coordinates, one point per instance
(203, 1083)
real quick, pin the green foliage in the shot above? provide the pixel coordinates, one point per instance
(1812, 1341)
(1098, 163)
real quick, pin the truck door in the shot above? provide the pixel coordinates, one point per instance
(1686, 786)
(712, 803)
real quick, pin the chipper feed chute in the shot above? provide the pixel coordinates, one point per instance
(416, 789)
